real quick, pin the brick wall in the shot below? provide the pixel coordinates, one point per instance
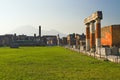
(110, 35)
(106, 36)
(116, 35)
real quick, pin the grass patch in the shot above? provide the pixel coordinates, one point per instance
(53, 63)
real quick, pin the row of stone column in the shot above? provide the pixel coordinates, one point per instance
(93, 35)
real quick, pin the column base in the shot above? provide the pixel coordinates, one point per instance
(92, 50)
(87, 49)
(98, 50)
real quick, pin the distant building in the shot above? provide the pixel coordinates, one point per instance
(74, 40)
(6, 40)
(14, 40)
(64, 41)
(71, 39)
(24, 40)
(80, 40)
(49, 40)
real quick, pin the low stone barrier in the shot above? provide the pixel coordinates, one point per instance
(105, 54)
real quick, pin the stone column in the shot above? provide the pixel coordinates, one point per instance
(98, 34)
(92, 36)
(34, 36)
(39, 32)
(87, 37)
(58, 40)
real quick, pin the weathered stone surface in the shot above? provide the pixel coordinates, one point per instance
(105, 51)
(82, 48)
(110, 35)
(93, 17)
(95, 35)
(114, 51)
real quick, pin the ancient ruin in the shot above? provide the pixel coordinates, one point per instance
(93, 37)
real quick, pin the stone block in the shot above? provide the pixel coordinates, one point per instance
(74, 46)
(114, 51)
(82, 48)
(108, 51)
(105, 51)
(14, 46)
(99, 51)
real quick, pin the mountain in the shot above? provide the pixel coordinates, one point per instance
(30, 31)
(27, 30)
(53, 32)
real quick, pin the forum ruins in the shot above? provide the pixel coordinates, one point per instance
(98, 42)
(93, 35)
(102, 41)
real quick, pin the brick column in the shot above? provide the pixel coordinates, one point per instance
(87, 37)
(92, 36)
(98, 34)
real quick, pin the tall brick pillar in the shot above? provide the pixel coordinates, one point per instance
(98, 34)
(87, 37)
(92, 36)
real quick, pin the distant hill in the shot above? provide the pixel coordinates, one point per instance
(30, 30)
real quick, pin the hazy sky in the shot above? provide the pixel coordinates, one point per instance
(65, 16)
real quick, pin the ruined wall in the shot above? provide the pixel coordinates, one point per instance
(106, 36)
(110, 35)
(116, 35)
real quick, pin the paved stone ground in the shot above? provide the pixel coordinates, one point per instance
(111, 58)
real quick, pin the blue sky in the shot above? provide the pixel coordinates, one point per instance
(66, 16)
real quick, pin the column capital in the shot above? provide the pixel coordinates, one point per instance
(93, 21)
(87, 25)
(98, 20)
